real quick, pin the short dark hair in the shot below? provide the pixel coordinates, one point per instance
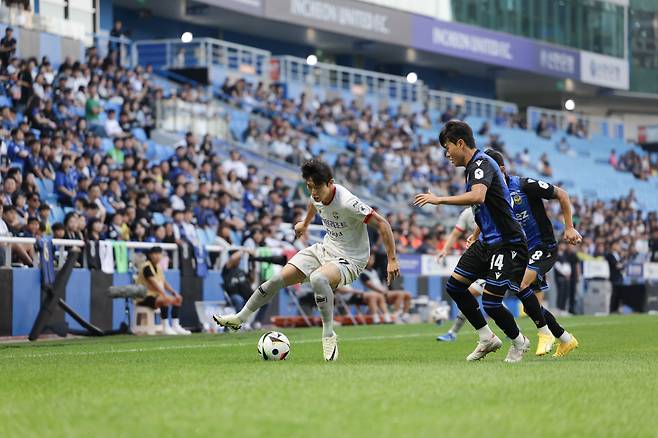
(154, 250)
(497, 157)
(454, 130)
(318, 171)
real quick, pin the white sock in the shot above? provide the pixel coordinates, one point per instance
(376, 319)
(261, 296)
(566, 337)
(244, 314)
(544, 330)
(519, 340)
(324, 298)
(485, 333)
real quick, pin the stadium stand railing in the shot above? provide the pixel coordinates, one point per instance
(59, 26)
(474, 106)
(202, 52)
(603, 126)
(353, 81)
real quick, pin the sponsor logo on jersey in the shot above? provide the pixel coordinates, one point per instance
(498, 274)
(522, 216)
(513, 254)
(517, 198)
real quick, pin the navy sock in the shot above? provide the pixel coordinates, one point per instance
(553, 325)
(466, 302)
(493, 305)
(531, 306)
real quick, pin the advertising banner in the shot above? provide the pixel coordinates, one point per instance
(346, 17)
(482, 45)
(409, 264)
(429, 265)
(603, 70)
(253, 7)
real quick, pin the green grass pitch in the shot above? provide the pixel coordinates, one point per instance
(389, 381)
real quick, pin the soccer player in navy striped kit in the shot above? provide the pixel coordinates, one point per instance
(499, 256)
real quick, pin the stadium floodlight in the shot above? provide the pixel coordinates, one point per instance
(412, 77)
(186, 37)
(569, 105)
(311, 59)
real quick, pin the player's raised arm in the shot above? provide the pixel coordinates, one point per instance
(384, 228)
(571, 235)
(475, 196)
(301, 227)
(542, 189)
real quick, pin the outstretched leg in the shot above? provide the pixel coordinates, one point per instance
(288, 276)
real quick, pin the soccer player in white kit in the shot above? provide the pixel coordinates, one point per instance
(336, 262)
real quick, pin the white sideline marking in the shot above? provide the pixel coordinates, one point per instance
(567, 325)
(195, 346)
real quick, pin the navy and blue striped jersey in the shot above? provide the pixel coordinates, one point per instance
(527, 195)
(494, 216)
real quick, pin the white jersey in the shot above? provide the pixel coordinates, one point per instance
(344, 220)
(466, 221)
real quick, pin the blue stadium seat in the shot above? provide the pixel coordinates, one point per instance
(158, 219)
(56, 213)
(140, 134)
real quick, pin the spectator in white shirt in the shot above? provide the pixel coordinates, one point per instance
(235, 163)
(112, 127)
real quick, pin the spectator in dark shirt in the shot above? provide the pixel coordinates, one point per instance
(616, 265)
(65, 182)
(7, 48)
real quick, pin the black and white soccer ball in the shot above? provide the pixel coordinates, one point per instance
(273, 346)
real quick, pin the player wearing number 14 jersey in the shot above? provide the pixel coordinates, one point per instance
(500, 256)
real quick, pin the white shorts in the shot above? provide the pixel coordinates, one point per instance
(315, 256)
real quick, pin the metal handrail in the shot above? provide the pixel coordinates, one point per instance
(473, 106)
(606, 126)
(206, 52)
(353, 80)
(7, 241)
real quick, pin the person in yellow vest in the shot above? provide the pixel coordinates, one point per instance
(160, 294)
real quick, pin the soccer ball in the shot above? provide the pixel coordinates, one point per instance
(440, 313)
(273, 346)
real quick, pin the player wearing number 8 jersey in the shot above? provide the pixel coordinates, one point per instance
(499, 256)
(527, 200)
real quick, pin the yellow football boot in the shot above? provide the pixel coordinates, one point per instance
(544, 344)
(565, 348)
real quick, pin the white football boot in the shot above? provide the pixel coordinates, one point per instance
(330, 348)
(515, 354)
(228, 321)
(485, 347)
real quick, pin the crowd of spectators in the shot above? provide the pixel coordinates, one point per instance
(640, 165)
(76, 127)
